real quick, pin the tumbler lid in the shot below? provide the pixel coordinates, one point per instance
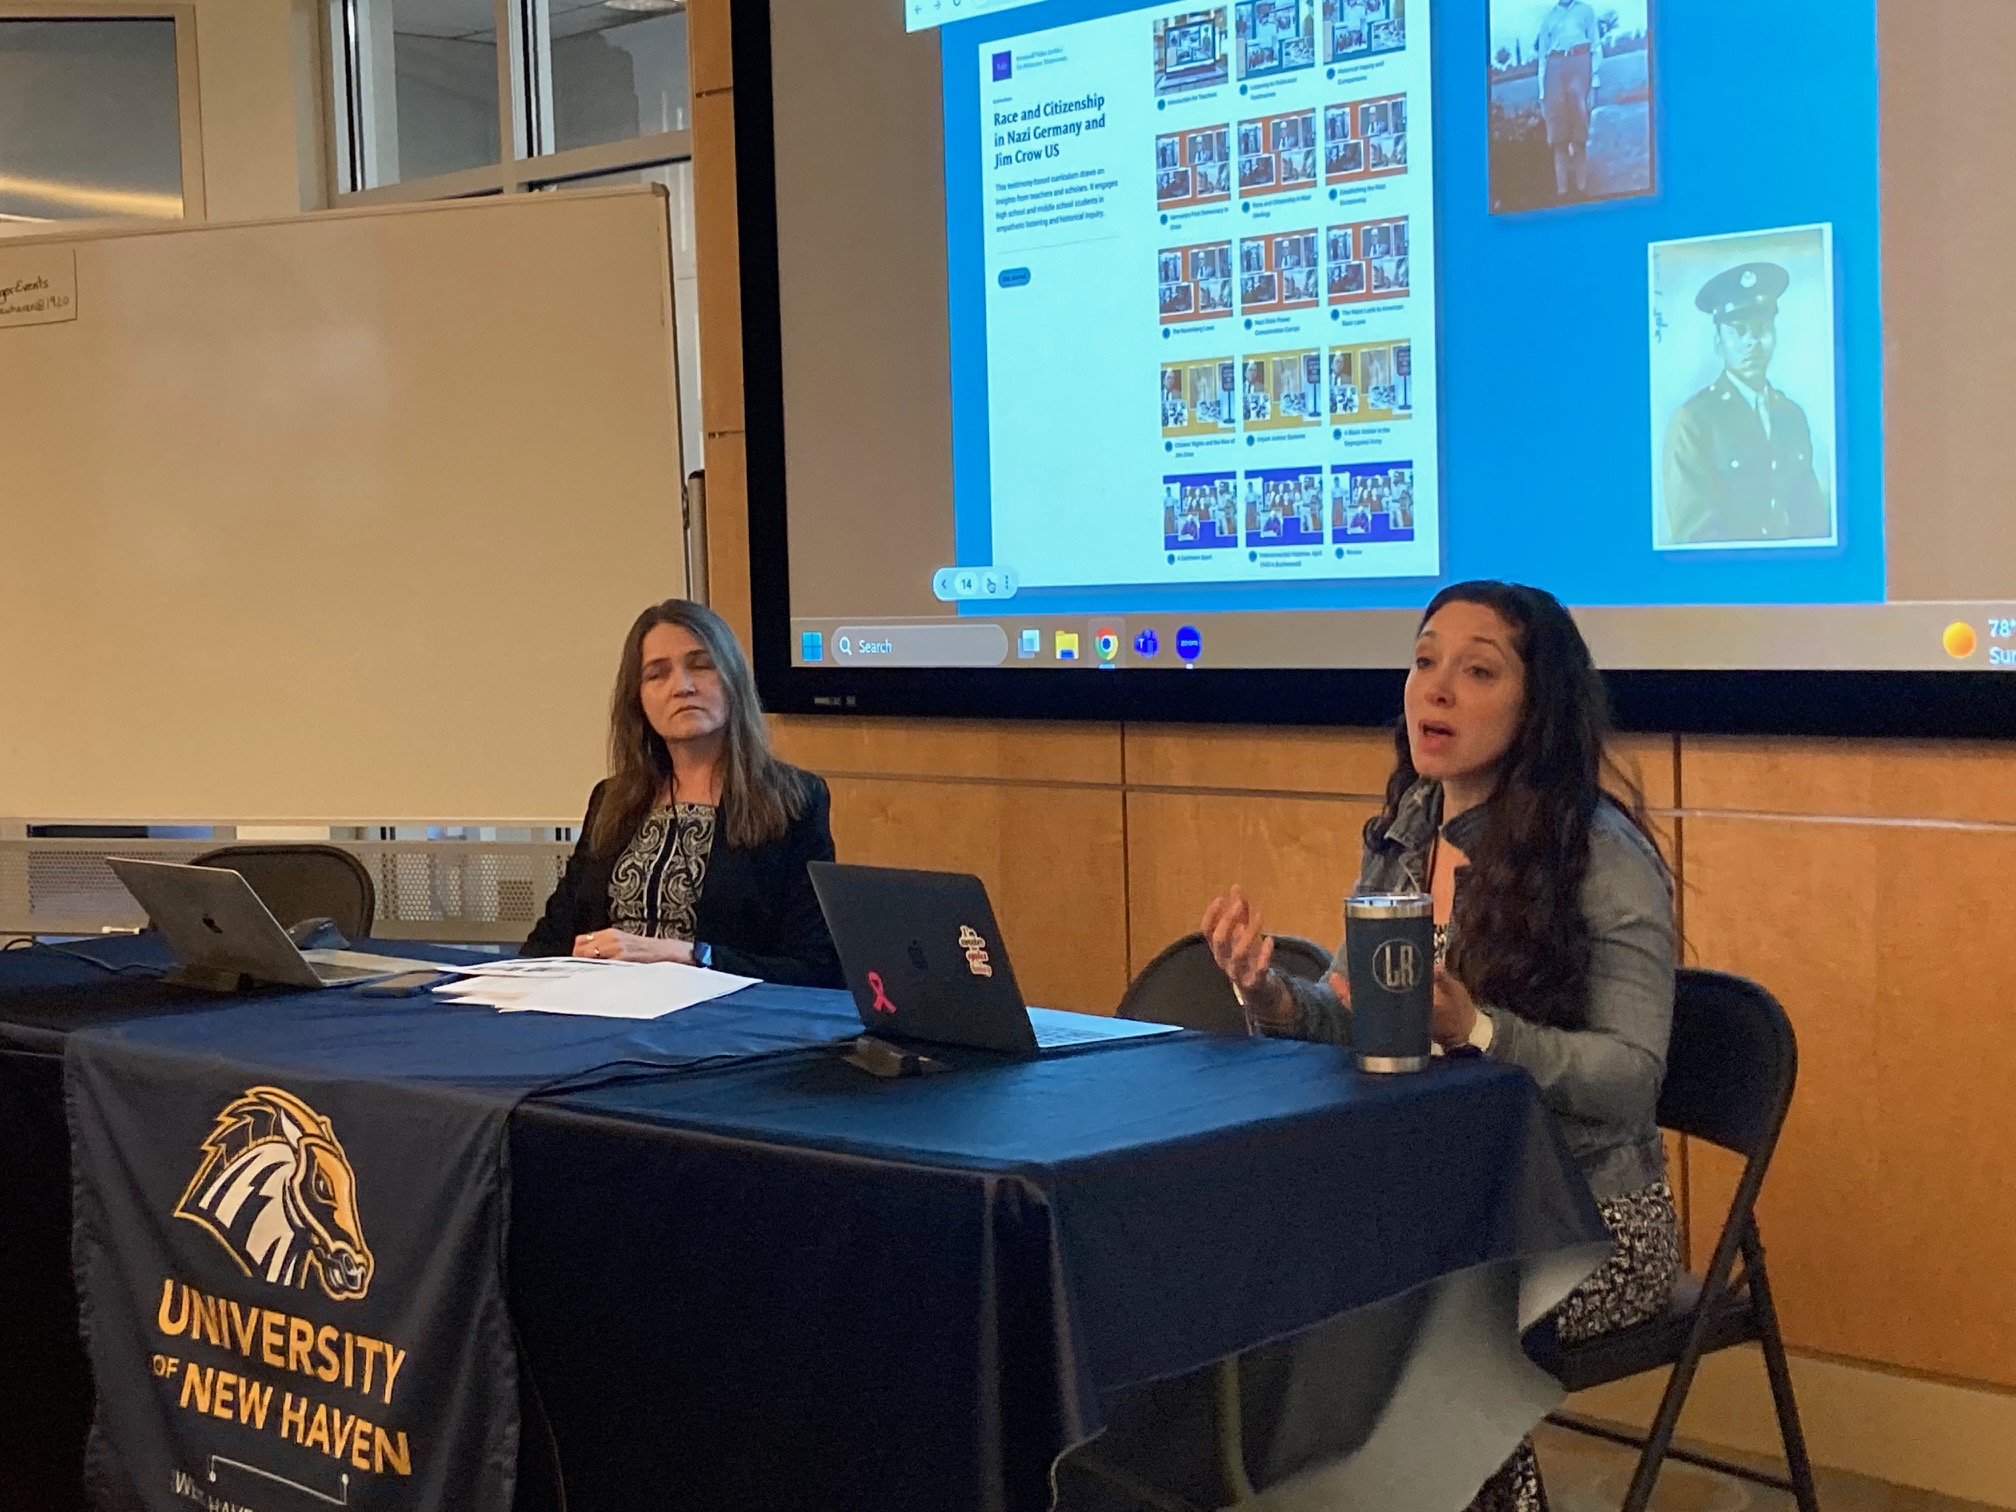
(1389, 906)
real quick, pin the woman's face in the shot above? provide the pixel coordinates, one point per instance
(1466, 694)
(683, 695)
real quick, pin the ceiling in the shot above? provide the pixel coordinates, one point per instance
(476, 20)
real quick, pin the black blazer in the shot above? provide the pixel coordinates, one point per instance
(757, 911)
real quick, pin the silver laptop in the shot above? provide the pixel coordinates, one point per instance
(218, 931)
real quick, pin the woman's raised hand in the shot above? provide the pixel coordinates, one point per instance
(1244, 952)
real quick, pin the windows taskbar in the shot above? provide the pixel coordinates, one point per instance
(1901, 637)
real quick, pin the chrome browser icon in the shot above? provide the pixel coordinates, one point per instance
(1106, 642)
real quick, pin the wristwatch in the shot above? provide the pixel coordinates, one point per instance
(703, 955)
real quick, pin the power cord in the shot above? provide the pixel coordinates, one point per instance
(132, 968)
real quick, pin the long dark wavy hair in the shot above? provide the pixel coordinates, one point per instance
(1519, 937)
(760, 795)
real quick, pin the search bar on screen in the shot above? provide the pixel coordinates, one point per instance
(947, 645)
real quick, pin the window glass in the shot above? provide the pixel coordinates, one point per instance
(90, 121)
(617, 73)
(444, 88)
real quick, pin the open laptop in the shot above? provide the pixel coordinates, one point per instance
(219, 930)
(925, 960)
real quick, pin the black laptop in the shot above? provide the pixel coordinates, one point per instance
(925, 960)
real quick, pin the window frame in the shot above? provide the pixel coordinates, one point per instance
(524, 110)
(188, 91)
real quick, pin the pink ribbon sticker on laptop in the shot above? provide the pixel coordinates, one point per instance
(881, 1003)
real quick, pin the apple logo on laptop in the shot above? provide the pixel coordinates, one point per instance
(212, 925)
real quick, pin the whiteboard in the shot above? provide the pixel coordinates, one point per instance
(338, 519)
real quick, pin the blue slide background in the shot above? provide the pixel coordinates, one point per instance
(1765, 115)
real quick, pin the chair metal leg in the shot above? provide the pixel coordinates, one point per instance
(1232, 1435)
(1686, 1456)
(1776, 1366)
(1659, 1440)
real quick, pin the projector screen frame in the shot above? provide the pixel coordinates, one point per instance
(1923, 704)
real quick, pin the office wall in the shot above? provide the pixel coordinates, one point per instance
(259, 68)
(1866, 883)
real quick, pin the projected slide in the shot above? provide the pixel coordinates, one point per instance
(1200, 314)
(1270, 305)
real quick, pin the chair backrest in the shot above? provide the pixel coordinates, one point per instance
(1730, 1065)
(1297, 957)
(1730, 1068)
(1184, 986)
(298, 882)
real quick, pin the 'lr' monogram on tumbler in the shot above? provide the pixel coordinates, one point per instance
(1389, 948)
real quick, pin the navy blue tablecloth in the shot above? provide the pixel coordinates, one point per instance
(748, 1275)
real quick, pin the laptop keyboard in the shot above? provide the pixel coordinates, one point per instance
(344, 973)
(1051, 1035)
(357, 965)
(1056, 1030)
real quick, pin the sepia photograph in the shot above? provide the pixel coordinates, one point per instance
(1571, 107)
(1743, 381)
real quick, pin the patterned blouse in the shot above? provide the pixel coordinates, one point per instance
(654, 889)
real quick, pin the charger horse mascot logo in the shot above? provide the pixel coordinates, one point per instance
(277, 1191)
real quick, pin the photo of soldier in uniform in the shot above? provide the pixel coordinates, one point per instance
(1571, 102)
(1743, 384)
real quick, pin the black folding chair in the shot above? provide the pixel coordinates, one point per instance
(1729, 1075)
(1183, 985)
(298, 882)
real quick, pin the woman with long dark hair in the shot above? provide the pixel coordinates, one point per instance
(1553, 923)
(695, 847)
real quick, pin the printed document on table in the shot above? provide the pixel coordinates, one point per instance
(638, 991)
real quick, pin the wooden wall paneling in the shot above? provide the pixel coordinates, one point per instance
(1053, 859)
(710, 57)
(1651, 761)
(1243, 759)
(728, 529)
(1296, 857)
(718, 261)
(952, 748)
(1891, 1209)
(1853, 778)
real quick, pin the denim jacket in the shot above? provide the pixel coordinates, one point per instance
(1601, 1082)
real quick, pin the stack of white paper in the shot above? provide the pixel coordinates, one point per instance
(588, 989)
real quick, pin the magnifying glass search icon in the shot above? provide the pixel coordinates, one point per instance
(846, 646)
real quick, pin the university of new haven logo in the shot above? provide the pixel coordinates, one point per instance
(276, 1190)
